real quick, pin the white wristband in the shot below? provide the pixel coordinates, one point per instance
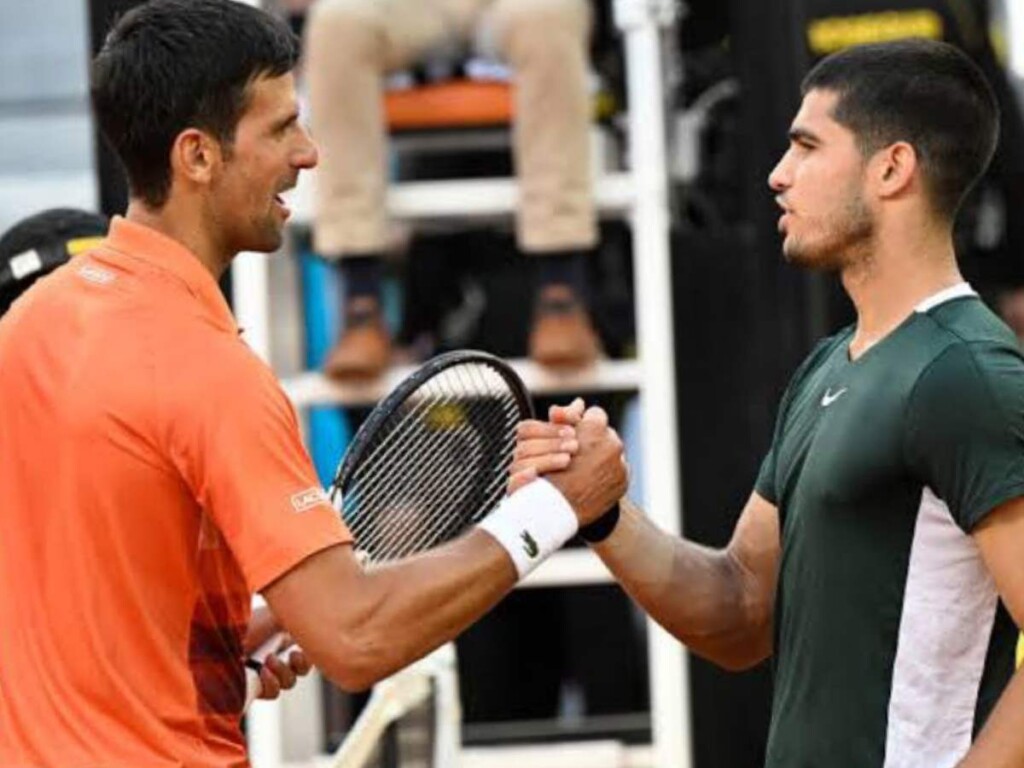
(532, 523)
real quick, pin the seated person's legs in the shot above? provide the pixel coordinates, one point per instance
(546, 44)
(350, 44)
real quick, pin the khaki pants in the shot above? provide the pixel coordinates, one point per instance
(350, 45)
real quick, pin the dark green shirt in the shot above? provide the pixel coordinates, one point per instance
(891, 644)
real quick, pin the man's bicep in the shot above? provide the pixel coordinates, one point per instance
(1000, 538)
(314, 602)
(756, 547)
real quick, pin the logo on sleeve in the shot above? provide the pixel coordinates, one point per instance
(309, 498)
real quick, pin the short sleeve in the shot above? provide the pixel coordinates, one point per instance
(239, 450)
(965, 429)
(765, 484)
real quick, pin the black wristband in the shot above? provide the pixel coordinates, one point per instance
(600, 529)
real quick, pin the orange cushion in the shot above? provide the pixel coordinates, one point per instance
(450, 104)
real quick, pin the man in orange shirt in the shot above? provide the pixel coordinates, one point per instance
(151, 471)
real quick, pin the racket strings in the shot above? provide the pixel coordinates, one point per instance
(407, 513)
(380, 460)
(415, 476)
(391, 441)
(380, 451)
(439, 464)
(432, 394)
(460, 505)
(489, 499)
(413, 523)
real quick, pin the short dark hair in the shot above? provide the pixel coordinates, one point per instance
(168, 65)
(46, 237)
(924, 92)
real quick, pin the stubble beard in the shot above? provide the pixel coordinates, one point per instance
(259, 233)
(844, 240)
(271, 235)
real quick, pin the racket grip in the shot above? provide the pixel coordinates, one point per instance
(253, 665)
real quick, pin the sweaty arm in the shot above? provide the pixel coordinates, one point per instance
(1000, 538)
(359, 626)
(719, 602)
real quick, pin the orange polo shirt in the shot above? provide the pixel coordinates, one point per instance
(151, 478)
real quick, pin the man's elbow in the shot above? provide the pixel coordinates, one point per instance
(732, 654)
(350, 678)
(355, 664)
(747, 650)
(739, 648)
(740, 661)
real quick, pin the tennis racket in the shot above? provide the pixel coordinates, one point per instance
(430, 460)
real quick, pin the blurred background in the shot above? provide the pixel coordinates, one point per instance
(46, 139)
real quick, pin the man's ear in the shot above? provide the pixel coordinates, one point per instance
(895, 169)
(195, 156)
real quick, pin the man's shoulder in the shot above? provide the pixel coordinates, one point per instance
(969, 321)
(972, 360)
(966, 340)
(201, 359)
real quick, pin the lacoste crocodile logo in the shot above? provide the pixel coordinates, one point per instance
(529, 545)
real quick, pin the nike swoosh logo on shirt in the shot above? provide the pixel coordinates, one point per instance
(828, 398)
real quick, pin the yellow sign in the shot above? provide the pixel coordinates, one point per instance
(832, 34)
(79, 245)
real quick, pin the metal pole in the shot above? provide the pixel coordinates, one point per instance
(250, 298)
(1014, 11)
(250, 295)
(641, 22)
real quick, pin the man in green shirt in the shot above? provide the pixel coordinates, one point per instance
(880, 558)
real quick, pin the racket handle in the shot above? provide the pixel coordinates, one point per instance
(253, 665)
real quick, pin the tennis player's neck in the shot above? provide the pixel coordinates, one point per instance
(184, 229)
(888, 289)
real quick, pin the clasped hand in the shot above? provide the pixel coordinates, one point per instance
(578, 453)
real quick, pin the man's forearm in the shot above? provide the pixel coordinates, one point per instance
(1001, 742)
(407, 609)
(700, 595)
(359, 626)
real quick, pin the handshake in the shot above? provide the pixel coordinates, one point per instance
(578, 453)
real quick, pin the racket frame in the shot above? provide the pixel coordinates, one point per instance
(386, 408)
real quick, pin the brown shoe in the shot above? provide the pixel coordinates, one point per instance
(562, 334)
(364, 349)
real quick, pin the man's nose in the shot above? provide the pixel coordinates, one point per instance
(779, 179)
(308, 155)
